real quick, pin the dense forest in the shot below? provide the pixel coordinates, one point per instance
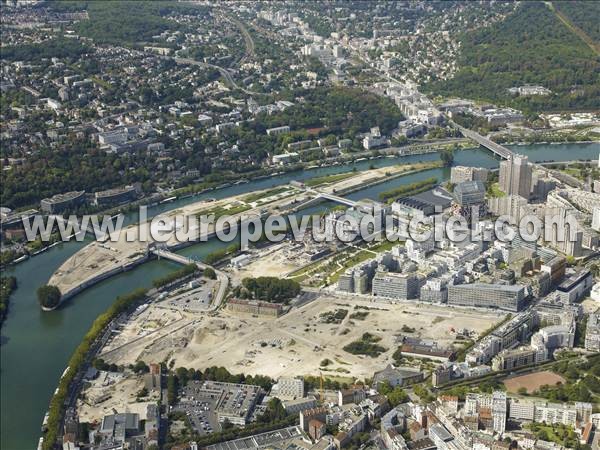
(52, 48)
(125, 22)
(584, 14)
(531, 46)
(339, 109)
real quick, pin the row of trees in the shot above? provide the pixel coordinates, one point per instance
(408, 189)
(274, 417)
(215, 373)
(220, 254)
(57, 403)
(185, 271)
(7, 285)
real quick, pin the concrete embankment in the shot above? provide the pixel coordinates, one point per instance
(101, 260)
(98, 278)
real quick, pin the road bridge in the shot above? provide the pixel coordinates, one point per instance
(495, 148)
(505, 153)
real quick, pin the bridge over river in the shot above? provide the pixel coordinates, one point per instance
(495, 148)
(506, 153)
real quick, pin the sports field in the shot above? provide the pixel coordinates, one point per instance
(533, 381)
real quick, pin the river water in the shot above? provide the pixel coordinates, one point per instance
(36, 346)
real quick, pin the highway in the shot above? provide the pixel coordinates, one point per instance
(224, 72)
(248, 41)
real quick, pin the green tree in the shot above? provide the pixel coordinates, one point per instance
(447, 156)
(48, 296)
(271, 289)
(210, 273)
(140, 367)
(172, 385)
(397, 396)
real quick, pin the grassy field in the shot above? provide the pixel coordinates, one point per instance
(260, 195)
(220, 211)
(340, 262)
(317, 181)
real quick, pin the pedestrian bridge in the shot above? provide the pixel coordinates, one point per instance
(336, 198)
(180, 259)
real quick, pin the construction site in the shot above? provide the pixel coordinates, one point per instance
(123, 250)
(115, 391)
(295, 343)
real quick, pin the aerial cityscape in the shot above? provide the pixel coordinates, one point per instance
(299, 225)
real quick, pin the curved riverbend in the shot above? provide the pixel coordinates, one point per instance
(36, 345)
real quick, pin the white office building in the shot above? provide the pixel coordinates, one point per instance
(289, 388)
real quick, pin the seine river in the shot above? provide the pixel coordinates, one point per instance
(36, 346)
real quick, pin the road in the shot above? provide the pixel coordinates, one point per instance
(497, 149)
(221, 277)
(505, 153)
(248, 41)
(224, 72)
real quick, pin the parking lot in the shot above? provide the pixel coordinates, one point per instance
(199, 406)
(195, 296)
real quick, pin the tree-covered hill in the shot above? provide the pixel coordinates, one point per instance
(584, 14)
(531, 46)
(126, 22)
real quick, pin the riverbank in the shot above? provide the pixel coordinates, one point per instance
(190, 194)
(7, 286)
(101, 260)
(70, 382)
(36, 346)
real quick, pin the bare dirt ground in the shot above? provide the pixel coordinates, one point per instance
(590, 306)
(532, 381)
(274, 261)
(296, 343)
(122, 397)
